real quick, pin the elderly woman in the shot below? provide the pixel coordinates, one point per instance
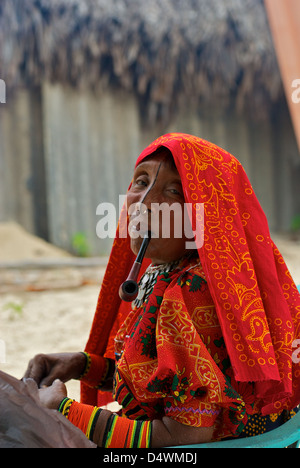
(205, 351)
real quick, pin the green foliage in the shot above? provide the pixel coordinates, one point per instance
(80, 244)
(295, 224)
(16, 310)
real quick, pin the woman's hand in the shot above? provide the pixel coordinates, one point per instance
(45, 368)
(50, 397)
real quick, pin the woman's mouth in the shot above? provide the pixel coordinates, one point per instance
(138, 231)
(138, 228)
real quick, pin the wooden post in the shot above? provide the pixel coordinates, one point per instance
(284, 18)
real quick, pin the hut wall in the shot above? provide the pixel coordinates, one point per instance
(22, 183)
(64, 151)
(91, 143)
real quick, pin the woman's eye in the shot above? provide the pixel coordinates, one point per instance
(141, 182)
(175, 192)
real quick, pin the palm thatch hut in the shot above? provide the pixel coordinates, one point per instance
(89, 83)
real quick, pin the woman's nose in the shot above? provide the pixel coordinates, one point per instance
(142, 205)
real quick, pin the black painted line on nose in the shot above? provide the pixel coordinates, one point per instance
(154, 182)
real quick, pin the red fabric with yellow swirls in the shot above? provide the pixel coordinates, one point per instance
(173, 359)
(256, 300)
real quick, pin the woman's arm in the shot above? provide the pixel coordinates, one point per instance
(164, 433)
(168, 432)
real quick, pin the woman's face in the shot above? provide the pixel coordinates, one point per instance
(156, 182)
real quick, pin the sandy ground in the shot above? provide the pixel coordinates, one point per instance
(17, 244)
(47, 300)
(50, 308)
(47, 322)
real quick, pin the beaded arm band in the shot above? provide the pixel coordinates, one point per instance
(96, 371)
(119, 432)
(84, 417)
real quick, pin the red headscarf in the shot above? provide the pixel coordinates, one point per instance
(257, 302)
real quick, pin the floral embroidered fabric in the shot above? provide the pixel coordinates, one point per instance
(173, 360)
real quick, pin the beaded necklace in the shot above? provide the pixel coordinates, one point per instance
(149, 279)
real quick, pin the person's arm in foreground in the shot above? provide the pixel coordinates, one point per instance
(164, 433)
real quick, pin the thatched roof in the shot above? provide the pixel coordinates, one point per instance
(167, 52)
